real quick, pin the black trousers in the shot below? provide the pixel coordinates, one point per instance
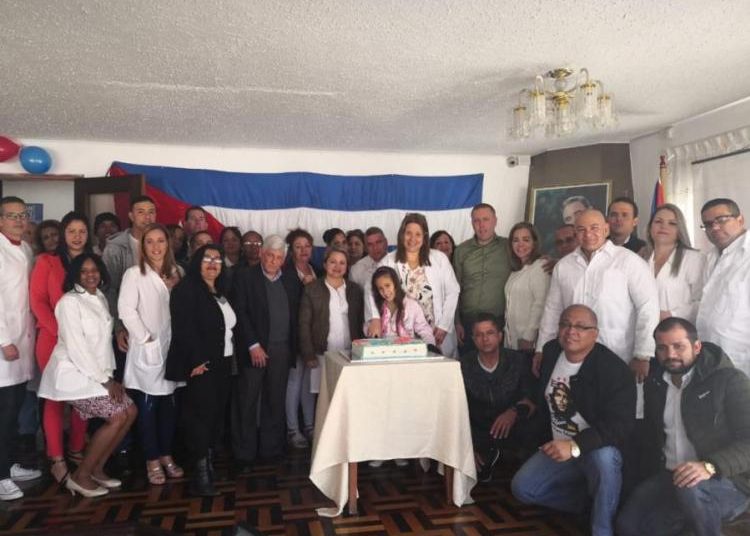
(204, 400)
(267, 385)
(11, 398)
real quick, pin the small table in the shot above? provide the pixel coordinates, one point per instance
(383, 411)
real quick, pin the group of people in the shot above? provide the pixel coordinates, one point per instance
(579, 354)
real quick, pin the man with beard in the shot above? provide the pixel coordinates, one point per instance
(698, 436)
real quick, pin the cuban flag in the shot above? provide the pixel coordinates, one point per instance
(275, 203)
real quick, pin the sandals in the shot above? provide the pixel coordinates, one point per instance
(155, 474)
(59, 470)
(173, 470)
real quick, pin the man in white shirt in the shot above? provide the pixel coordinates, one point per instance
(377, 246)
(616, 283)
(724, 311)
(16, 338)
(697, 433)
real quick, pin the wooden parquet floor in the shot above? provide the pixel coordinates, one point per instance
(281, 500)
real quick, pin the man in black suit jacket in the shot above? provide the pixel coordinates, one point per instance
(266, 300)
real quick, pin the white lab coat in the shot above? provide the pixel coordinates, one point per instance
(724, 311)
(445, 291)
(143, 306)
(681, 294)
(83, 358)
(525, 295)
(618, 286)
(16, 320)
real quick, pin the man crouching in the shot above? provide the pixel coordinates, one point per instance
(586, 398)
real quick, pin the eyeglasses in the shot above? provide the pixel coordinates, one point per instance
(16, 216)
(213, 260)
(575, 327)
(568, 240)
(717, 221)
(256, 244)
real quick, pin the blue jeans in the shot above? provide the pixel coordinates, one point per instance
(157, 418)
(657, 506)
(569, 486)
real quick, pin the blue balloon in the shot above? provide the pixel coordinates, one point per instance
(35, 159)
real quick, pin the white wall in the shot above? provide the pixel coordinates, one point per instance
(645, 151)
(504, 188)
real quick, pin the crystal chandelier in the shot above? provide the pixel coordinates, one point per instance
(561, 104)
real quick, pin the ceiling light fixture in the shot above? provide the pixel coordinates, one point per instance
(561, 104)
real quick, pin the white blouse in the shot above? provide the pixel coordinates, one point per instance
(525, 293)
(143, 306)
(339, 337)
(681, 294)
(230, 320)
(83, 358)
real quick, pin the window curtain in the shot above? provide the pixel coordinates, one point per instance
(690, 184)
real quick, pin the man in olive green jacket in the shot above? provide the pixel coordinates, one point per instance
(482, 266)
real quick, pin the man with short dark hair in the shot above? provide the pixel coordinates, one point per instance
(195, 220)
(586, 399)
(16, 338)
(122, 252)
(266, 300)
(724, 310)
(565, 239)
(622, 216)
(697, 433)
(498, 389)
(482, 266)
(376, 246)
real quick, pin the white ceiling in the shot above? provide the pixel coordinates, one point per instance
(386, 75)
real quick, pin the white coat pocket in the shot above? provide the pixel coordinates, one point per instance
(149, 355)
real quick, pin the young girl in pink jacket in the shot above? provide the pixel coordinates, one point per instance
(400, 315)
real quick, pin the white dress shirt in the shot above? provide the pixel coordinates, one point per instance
(361, 272)
(525, 294)
(445, 291)
(16, 320)
(143, 305)
(618, 286)
(83, 358)
(677, 447)
(724, 311)
(680, 294)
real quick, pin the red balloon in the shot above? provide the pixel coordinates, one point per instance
(8, 148)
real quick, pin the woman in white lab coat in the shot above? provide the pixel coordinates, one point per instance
(143, 306)
(677, 267)
(427, 277)
(80, 371)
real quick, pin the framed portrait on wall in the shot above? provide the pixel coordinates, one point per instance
(551, 206)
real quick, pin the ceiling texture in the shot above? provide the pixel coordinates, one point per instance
(383, 75)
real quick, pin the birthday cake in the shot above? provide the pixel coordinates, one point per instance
(388, 348)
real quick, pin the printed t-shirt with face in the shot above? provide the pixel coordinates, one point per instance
(565, 419)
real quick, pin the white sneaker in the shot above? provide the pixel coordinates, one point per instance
(375, 463)
(400, 462)
(9, 491)
(21, 474)
(297, 441)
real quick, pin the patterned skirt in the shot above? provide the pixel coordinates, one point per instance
(102, 407)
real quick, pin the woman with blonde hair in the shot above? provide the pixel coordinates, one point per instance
(677, 267)
(143, 306)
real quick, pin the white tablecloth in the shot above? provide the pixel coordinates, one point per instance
(383, 411)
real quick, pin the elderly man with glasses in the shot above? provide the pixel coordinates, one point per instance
(586, 401)
(724, 311)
